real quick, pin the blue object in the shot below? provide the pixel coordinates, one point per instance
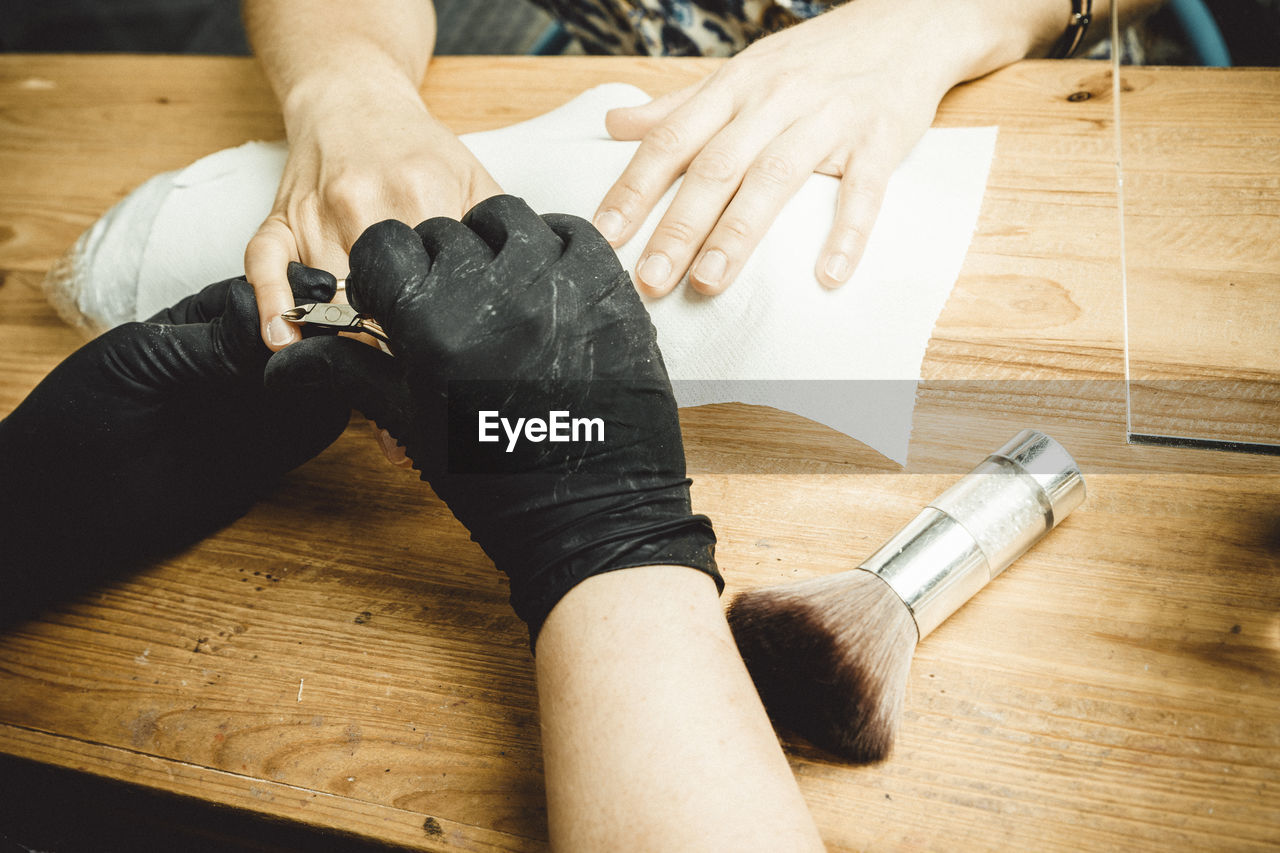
(1202, 32)
(554, 39)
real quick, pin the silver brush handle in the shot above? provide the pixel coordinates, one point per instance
(976, 528)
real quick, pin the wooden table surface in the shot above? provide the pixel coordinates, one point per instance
(1118, 688)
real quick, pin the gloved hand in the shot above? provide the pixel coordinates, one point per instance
(148, 438)
(520, 315)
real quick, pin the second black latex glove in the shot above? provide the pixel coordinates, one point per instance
(520, 315)
(148, 438)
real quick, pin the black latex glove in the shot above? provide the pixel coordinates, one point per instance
(524, 315)
(148, 438)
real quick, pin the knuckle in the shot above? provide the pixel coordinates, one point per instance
(736, 78)
(665, 138)
(409, 203)
(349, 192)
(773, 170)
(674, 231)
(418, 192)
(833, 164)
(852, 233)
(728, 75)
(275, 222)
(863, 195)
(268, 247)
(259, 244)
(272, 231)
(856, 230)
(737, 229)
(626, 195)
(713, 165)
(878, 137)
(791, 79)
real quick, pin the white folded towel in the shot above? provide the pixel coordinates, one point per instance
(762, 341)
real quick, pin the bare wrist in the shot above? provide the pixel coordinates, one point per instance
(1003, 33)
(338, 91)
(959, 40)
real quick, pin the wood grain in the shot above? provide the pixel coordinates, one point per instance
(344, 656)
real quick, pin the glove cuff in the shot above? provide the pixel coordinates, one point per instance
(685, 541)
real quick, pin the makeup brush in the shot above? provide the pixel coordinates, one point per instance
(830, 655)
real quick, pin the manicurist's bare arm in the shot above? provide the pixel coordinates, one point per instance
(362, 145)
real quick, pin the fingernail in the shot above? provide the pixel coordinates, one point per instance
(837, 268)
(279, 332)
(710, 267)
(654, 270)
(610, 223)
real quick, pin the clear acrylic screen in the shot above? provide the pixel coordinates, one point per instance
(1200, 192)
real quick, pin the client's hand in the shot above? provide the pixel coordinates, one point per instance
(519, 316)
(355, 157)
(845, 94)
(150, 437)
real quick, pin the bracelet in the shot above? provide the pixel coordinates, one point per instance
(1069, 41)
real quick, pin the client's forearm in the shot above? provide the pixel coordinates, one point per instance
(315, 52)
(653, 735)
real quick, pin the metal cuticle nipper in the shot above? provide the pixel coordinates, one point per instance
(335, 315)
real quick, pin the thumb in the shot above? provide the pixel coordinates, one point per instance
(266, 263)
(176, 348)
(347, 372)
(218, 327)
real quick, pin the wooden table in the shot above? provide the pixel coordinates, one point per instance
(1118, 688)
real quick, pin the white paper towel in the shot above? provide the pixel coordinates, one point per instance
(762, 341)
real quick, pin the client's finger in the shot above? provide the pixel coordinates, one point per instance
(266, 262)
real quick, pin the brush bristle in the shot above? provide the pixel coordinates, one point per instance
(829, 657)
